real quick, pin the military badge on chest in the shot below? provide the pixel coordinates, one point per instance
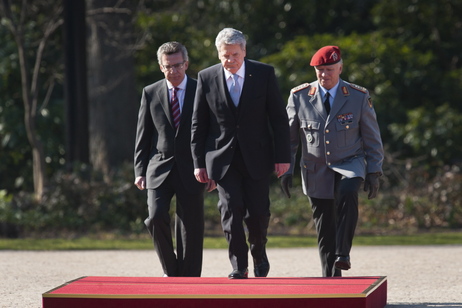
(309, 138)
(345, 118)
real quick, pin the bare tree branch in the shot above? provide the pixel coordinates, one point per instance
(109, 10)
(29, 80)
(50, 28)
(50, 88)
(22, 16)
(6, 8)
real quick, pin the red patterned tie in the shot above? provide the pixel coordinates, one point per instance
(175, 107)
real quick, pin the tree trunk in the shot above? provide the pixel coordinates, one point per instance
(29, 81)
(111, 84)
(38, 156)
(76, 93)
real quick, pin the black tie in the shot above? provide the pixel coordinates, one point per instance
(327, 103)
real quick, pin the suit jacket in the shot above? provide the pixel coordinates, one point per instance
(159, 146)
(258, 126)
(347, 141)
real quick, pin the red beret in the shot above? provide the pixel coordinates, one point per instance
(326, 56)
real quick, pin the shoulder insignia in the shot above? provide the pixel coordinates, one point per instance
(312, 91)
(359, 88)
(345, 91)
(369, 100)
(300, 87)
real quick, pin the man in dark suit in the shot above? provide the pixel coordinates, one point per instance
(240, 134)
(164, 166)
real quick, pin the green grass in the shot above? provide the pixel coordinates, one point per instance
(88, 243)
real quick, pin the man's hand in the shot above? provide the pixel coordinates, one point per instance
(286, 183)
(371, 184)
(140, 182)
(201, 175)
(280, 169)
(211, 185)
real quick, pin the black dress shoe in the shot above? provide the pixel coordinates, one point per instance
(342, 263)
(239, 274)
(261, 267)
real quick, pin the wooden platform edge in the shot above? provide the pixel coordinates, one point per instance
(380, 280)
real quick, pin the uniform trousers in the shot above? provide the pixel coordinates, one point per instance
(244, 199)
(189, 226)
(335, 221)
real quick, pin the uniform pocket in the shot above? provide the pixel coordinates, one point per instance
(347, 133)
(311, 132)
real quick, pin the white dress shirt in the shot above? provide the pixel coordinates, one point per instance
(180, 93)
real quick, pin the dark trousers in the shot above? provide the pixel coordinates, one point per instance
(189, 227)
(335, 221)
(243, 199)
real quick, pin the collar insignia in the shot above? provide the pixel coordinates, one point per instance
(312, 91)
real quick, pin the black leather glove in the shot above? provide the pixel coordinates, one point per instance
(286, 183)
(371, 184)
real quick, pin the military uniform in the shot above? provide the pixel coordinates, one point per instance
(346, 141)
(338, 150)
(341, 148)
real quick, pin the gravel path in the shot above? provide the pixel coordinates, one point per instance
(418, 276)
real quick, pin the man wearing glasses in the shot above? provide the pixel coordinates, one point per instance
(164, 165)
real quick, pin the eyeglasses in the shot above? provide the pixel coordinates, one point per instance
(177, 66)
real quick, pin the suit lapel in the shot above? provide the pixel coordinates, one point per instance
(249, 84)
(188, 102)
(220, 81)
(164, 99)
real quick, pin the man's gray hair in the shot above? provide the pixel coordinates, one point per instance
(170, 48)
(230, 36)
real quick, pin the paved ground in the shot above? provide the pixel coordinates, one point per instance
(418, 277)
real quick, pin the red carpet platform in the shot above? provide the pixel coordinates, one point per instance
(204, 292)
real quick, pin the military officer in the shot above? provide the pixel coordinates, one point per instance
(337, 126)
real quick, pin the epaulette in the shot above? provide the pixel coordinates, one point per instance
(359, 88)
(300, 87)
